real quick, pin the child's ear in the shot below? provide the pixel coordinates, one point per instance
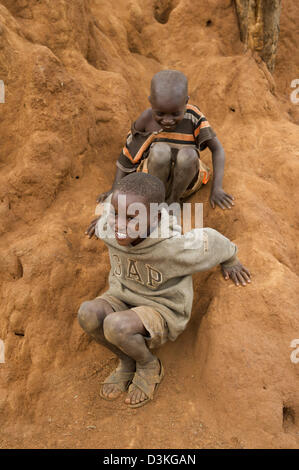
(187, 99)
(150, 99)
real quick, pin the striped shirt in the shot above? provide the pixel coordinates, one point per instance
(194, 129)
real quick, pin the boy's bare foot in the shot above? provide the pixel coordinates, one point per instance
(145, 381)
(118, 381)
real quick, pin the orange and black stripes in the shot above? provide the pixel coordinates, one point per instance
(193, 129)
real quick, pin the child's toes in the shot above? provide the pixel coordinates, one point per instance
(136, 397)
(130, 398)
(114, 394)
(109, 391)
(142, 397)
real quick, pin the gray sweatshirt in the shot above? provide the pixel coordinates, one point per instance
(158, 271)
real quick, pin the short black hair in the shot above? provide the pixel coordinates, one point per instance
(170, 83)
(142, 184)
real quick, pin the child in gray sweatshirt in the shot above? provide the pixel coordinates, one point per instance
(150, 293)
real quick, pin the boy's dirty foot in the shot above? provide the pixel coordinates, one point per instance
(145, 382)
(118, 381)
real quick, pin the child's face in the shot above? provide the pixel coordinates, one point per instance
(131, 224)
(168, 112)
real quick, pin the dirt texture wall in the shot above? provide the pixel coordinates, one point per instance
(76, 75)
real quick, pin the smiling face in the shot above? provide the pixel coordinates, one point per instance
(129, 221)
(168, 111)
(169, 97)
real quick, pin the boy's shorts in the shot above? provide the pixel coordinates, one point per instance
(152, 320)
(201, 178)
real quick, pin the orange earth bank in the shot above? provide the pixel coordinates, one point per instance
(76, 74)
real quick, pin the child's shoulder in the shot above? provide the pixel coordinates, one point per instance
(194, 110)
(143, 120)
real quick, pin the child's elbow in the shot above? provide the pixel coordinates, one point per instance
(215, 146)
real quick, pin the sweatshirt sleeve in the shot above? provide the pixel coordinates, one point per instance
(135, 149)
(203, 249)
(202, 128)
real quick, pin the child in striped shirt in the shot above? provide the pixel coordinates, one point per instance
(166, 139)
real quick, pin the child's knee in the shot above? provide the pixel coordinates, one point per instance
(188, 158)
(88, 317)
(115, 328)
(160, 154)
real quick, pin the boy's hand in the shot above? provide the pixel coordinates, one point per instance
(91, 229)
(221, 198)
(238, 273)
(101, 197)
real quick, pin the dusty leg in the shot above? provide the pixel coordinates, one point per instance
(126, 331)
(186, 168)
(159, 161)
(91, 316)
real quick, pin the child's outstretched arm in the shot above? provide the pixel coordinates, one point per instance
(237, 272)
(218, 196)
(203, 249)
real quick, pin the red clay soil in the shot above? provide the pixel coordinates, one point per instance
(76, 74)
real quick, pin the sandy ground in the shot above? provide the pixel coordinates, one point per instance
(76, 75)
